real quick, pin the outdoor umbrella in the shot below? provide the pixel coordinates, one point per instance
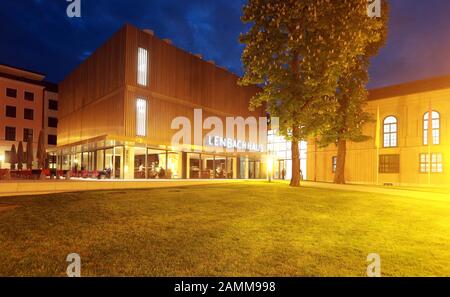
(20, 156)
(40, 154)
(30, 158)
(13, 157)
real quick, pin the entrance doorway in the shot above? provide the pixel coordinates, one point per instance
(280, 170)
(254, 169)
(117, 160)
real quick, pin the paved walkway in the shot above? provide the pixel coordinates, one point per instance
(410, 192)
(40, 187)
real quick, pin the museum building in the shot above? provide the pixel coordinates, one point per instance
(117, 111)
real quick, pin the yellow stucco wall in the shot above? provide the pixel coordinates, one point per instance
(361, 163)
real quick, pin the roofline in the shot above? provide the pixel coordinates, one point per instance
(22, 69)
(413, 87)
(48, 86)
(224, 68)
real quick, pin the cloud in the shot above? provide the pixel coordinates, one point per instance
(40, 36)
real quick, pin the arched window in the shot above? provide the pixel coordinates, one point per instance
(435, 127)
(390, 131)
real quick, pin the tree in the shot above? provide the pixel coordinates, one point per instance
(346, 124)
(297, 51)
(20, 156)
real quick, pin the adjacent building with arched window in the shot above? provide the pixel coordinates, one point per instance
(410, 122)
(390, 131)
(435, 120)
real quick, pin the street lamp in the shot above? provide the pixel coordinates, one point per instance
(269, 167)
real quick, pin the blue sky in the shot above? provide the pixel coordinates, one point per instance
(37, 34)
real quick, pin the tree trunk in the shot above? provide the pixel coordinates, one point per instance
(295, 180)
(339, 176)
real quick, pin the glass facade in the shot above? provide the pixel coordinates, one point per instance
(111, 159)
(97, 159)
(280, 149)
(208, 166)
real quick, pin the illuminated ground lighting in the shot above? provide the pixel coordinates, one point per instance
(269, 167)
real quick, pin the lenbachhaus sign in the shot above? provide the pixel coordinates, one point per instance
(230, 143)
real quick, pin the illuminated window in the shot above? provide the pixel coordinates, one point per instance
(333, 164)
(435, 127)
(390, 131)
(141, 117)
(435, 163)
(389, 164)
(142, 66)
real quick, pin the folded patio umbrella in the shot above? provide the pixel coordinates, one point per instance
(40, 154)
(30, 158)
(20, 156)
(13, 157)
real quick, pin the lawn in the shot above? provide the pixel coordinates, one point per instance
(240, 229)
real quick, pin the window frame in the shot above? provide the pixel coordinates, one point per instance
(143, 59)
(52, 126)
(139, 124)
(11, 89)
(10, 107)
(6, 133)
(25, 93)
(387, 162)
(32, 114)
(333, 164)
(429, 164)
(50, 101)
(51, 136)
(390, 133)
(426, 132)
(24, 138)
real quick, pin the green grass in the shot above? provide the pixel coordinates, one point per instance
(241, 229)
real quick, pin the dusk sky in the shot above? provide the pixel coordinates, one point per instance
(38, 35)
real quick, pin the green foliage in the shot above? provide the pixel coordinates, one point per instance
(297, 51)
(351, 95)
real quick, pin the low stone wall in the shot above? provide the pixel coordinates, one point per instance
(15, 188)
